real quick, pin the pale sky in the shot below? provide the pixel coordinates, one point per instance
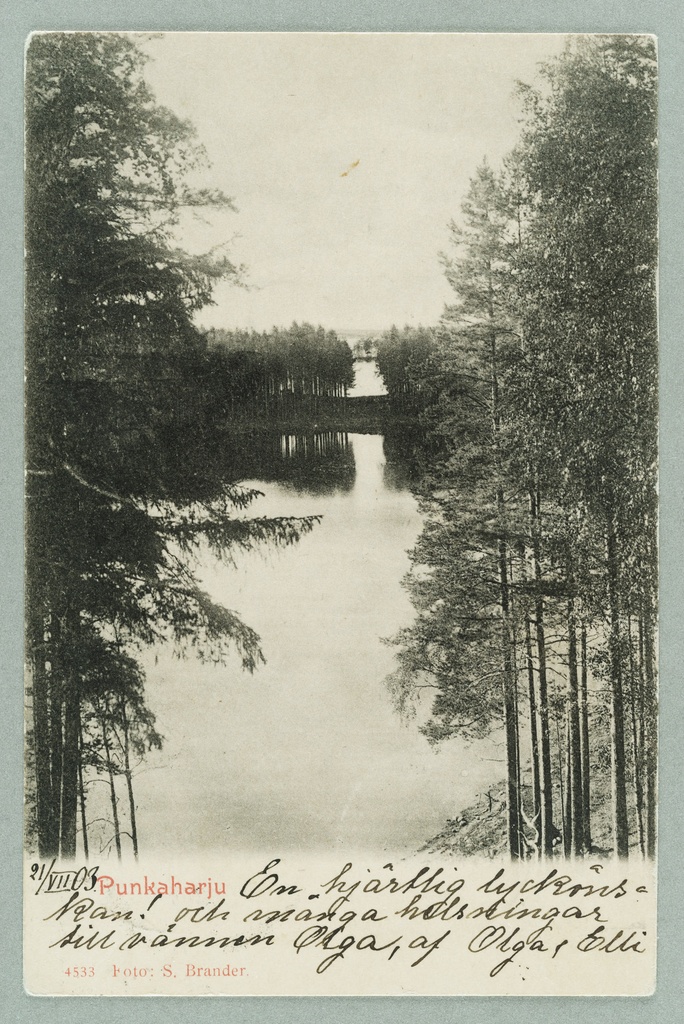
(283, 116)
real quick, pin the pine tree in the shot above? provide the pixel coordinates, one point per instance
(465, 636)
(588, 315)
(122, 481)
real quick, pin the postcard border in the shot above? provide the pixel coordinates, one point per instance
(661, 18)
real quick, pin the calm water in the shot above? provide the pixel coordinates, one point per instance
(367, 379)
(307, 752)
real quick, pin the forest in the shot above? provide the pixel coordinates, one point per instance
(534, 580)
(124, 469)
(535, 577)
(273, 375)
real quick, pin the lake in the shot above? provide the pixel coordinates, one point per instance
(307, 753)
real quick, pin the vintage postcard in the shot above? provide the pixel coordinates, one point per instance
(341, 506)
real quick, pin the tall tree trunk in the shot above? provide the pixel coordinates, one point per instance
(567, 789)
(617, 725)
(547, 828)
(129, 778)
(70, 733)
(650, 738)
(39, 640)
(584, 743)
(574, 743)
(563, 788)
(510, 709)
(81, 791)
(47, 846)
(70, 764)
(534, 737)
(516, 701)
(636, 713)
(112, 787)
(509, 681)
(56, 714)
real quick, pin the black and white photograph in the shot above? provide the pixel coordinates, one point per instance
(341, 442)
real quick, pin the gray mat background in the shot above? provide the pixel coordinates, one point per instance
(661, 17)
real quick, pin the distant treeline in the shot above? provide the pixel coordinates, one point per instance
(399, 352)
(276, 374)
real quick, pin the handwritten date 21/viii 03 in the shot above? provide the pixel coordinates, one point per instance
(70, 880)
